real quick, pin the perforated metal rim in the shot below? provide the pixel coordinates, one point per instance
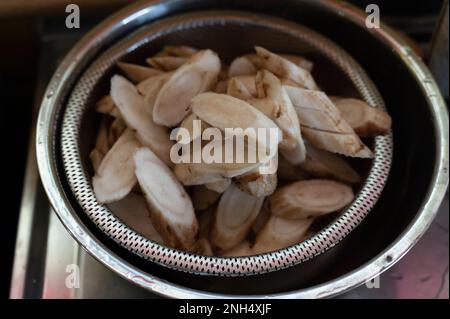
(328, 237)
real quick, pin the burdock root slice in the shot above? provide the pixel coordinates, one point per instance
(115, 177)
(234, 217)
(170, 207)
(310, 198)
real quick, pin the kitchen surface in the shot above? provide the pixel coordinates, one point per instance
(41, 254)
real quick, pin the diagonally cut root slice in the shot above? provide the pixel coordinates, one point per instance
(132, 210)
(219, 186)
(284, 114)
(116, 129)
(299, 60)
(367, 121)
(279, 233)
(137, 73)
(242, 249)
(258, 182)
(198, 75)
(324, 164)
(115, 177)
(234, 217)
(179, 50)
(242, 65)
(310, 198)
(170, 207)
(238, 90)
(106, 106)
(322, 124)
(101, 141)
(166, 63)
(285, 68)
(224, 111)
(131, 105)
(96, 158)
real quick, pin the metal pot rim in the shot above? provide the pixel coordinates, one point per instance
(113, 26)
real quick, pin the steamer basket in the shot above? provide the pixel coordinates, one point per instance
(212, 30)
(68, 123)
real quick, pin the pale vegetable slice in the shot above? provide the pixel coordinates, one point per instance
(224, 111)
(102, 142)
(242, 249)
(238, 90)
(166, 63)
(279, 233)
(249, 82)
(180, 50)
(150, 89)
(115, 177)
(241, 66)
(137, 73)
(299, 60)
(106, 106)
(203, 197)
(257, 182)
(131, 105)
(285, 68)
(194, 127)
(234, 217)
(367, 121)
(96, 158)
(284, 115)
(328, 165)
(219, 186)
(116, 129)
(132, 211)
(288, 171)
(170, 207)
(310, 198)
(323, 126)
(198, 75)
(152, 83)
(202, 173)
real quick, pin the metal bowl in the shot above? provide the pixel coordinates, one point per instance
(66, 204)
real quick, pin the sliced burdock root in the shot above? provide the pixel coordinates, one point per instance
(115, 177)
(179, 50)
(285, 68)
(219, 186)
(170, 207)
(238, 89)
(242, 249)
(106, 106)
(242, 65)
(166, 63)
(132, 211)
(283, 113)
(234, 217)
(197, 75)
(137, 73)
(366, 121)
(323, 126)
(310, 198)
(279, 233)
(116, 129)
(324, 164)
(224, 111)
(96, 158)
(131, 105)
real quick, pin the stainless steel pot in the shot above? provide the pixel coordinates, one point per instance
(420, 212)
